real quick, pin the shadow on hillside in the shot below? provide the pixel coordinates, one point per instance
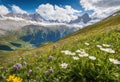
(5, 48)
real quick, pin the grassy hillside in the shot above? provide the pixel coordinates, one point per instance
(91, 54)
(13, 41)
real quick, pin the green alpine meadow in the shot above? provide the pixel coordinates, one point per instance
(91, 54)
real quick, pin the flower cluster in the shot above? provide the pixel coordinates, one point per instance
(92, 57)
(13, 78)
(83, 54)
(67, 52)
(108, 50)
(18, 66)
(76, 58)
(50, 57)
(49, 71)
(80, 52)
(64, 65)
(114, 61)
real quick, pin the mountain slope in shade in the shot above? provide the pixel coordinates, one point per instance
(37, 35)
(31, 34)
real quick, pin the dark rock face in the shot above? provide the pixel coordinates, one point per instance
(36, 17)
(79, 19)
(85, 18)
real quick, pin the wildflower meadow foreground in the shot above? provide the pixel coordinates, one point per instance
(80, 62)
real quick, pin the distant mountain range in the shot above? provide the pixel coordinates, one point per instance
(29, 34)
(32, 17)
(32, 30)
(85, 18)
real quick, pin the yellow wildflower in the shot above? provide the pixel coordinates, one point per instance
(13, 78)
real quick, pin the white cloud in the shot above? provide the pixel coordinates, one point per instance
(3, 10)
(17, 9)
(57, 13)
(101, 8)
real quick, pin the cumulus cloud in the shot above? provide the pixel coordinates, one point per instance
(17, 9)
(57, 13)
(101, 8)
(3, 10)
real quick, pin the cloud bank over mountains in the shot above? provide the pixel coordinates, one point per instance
(17, 9)
(47, 11)
(57, 13)
(3, 10)
(101, 8)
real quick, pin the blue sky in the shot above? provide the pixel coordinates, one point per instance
(31, 5)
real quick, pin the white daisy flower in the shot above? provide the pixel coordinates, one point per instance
(114, 61)
(64, 65)
(76, 58)
(87, 44)
(106, 45)
(82, 50)
(83, 54)
(103, 49)
(73, 54)
(99, 46)
(109, 50)
(66, 52)
(92, 57)
(78, 51)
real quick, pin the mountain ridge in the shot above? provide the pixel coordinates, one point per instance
(36, 17)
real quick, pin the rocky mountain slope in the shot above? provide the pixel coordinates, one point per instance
(84, 19)
(31, 33)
